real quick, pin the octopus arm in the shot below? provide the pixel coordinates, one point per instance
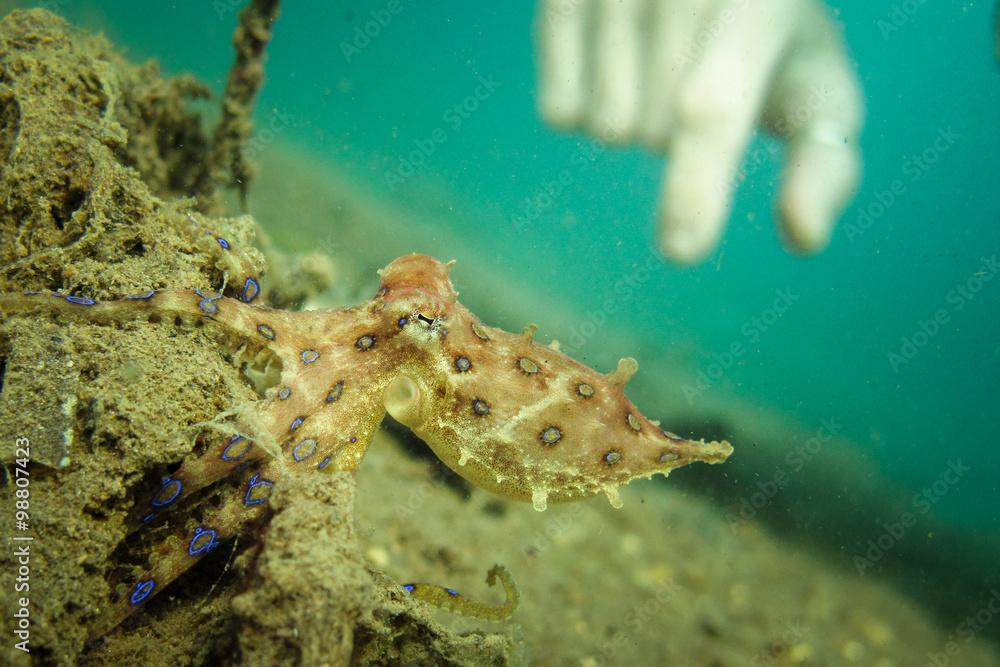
(453, 601)
(174, 555)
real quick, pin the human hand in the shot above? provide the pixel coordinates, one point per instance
(694, 78)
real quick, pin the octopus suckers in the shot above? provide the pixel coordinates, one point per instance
(633, 422)
(550, 436)
(480, 407)
(527, 366)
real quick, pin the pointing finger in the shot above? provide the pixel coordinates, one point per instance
(819, 106)
(614, 112)
(718, 108)
(560, 28)
(674, 47)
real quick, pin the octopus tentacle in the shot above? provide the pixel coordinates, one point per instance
(509, 414)
(176, 554)
(453, 601)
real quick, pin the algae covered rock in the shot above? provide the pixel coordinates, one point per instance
(111, 187)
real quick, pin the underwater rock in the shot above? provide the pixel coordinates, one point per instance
(309, 571)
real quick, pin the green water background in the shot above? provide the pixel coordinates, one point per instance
(928, 70)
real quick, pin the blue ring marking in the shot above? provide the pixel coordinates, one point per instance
(251, 288)
(266, 331)
(452, 592)
(156, 502)
(207, 303)
(353, 439)
(309, 356)
(227, 455)
(408, 587)
(324, 463)
(148, 517)
(80, 300)
(142, 297)
(200, 533)
(284, 393)
(256, 481)
(365, 343)
(223, 242)
(335, 392)
(142, 591)
(309, 444)
(208, 306)
(296, 423)
(402, 321)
